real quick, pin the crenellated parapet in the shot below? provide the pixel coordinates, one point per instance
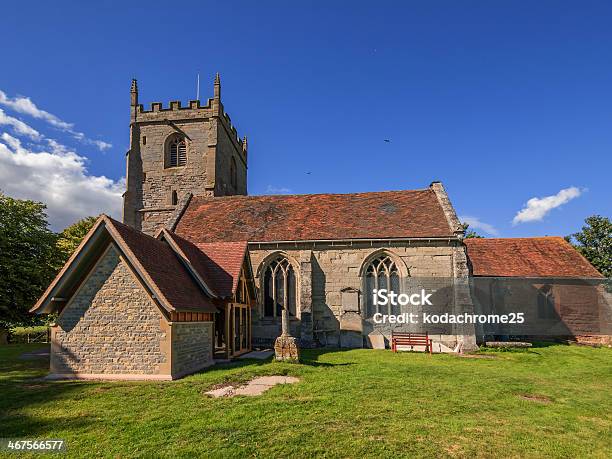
(176, 112)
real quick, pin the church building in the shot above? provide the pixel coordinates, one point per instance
(200, 271)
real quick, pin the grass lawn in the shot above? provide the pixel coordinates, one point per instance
(548, 401)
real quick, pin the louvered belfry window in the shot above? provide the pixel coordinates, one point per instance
(178, 152)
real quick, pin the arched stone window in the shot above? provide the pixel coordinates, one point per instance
(279, 288)
(176, 151)
(380, 273)
(233, 173)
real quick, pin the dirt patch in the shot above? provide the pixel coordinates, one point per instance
(535, 398)
(255, 386)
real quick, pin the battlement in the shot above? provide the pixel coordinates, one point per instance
(176, 112)
(175, 105)
(233, 130)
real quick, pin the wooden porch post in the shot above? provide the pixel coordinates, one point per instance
(228, 339)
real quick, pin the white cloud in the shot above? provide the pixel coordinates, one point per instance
(24, 105)
(19, 127)
(277, 190)
(475, 223)
(537, 208)
(59, 178)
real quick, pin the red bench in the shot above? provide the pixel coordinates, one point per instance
(410, 339)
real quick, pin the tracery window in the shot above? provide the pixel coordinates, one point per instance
(279, 288)
(177, 152)
(381, 273)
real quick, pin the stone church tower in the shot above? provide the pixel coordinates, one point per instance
(179, 150)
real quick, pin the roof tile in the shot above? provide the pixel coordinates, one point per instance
(165, 270)
(377, 215)
(217, 263)
(527, 257)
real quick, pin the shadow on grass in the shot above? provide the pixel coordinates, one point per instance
(239, 363)
(311, 357)
(23, 389)
(543, 344)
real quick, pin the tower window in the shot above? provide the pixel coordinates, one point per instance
(177, 152)
(144, 139)
(174, 198)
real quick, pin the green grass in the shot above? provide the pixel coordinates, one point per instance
(547, 401)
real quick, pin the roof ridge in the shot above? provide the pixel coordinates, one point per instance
(242, 196)
(531, 238)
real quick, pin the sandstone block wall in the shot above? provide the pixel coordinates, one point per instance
(192, 347)
(211, 141)
(227, 147)
(324, 270)
(110, 326)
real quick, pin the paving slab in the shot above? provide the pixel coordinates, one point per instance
(256, 386)
(38, 354)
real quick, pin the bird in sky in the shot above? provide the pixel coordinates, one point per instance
(388, 140)
(308, 173)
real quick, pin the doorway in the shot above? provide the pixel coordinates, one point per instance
(233, 331)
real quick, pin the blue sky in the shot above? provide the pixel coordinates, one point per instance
(502, 101)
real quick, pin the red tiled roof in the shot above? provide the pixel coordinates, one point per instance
(527, 257)
(229, 257)
(378, 215)
(165, 270)
(217, 263)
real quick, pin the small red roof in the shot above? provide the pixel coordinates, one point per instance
(378, 215)
(154, 261)
(217, 263)
(165, 269)
(527, 257)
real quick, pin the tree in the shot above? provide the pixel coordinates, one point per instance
(594, 242)
(69, 239)
(27, 254)
(470, 233)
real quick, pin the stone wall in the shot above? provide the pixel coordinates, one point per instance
(227, 148)
(211, 143)
(110, 326)
(192, 347)
(324, 270)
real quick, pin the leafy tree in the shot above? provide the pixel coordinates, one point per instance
(594, 242)
(27, 254)
(470, 233)
(69, 239)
